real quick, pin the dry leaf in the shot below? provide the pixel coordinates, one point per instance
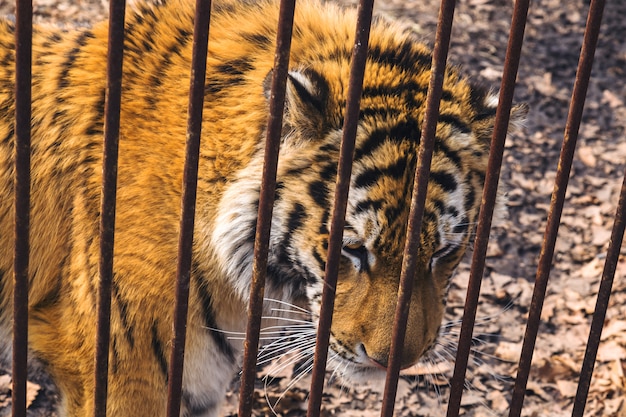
(614, 328)
(536, 389)
(439, 368)
(611, 351)
(498, 401)
(31, 392)
(5, 383)
(567, 388)
(509, 351)
(613, 100)
(585, 153)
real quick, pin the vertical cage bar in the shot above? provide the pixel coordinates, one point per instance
(23, 59)
(420, 187)
(266, 204)
(188, 203)
(602, 303)
(577, 103)
(490, 191)
(344, 172)
(107, 207)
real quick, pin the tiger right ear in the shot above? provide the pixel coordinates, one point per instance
(484, 121)
(306, 100)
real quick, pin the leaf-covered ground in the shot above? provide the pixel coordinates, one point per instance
(547, 70)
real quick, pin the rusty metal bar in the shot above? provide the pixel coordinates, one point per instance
(266, 204)
(420, 187)
(490, 191)
(188, 204)
(577, 103)
(344, 172)
(23, 60)
(107, 207)
(602, 303)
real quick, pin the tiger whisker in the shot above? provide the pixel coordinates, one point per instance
(295, 307)
(295, 380)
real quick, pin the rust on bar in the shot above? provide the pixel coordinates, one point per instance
(23, 59)
(490, 191)
(344, 172)
(602, 303)
(108, 195)
(577, 103)
(420, 187)
(266, 204)
(188, 204)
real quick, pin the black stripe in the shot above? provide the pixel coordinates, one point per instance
(213, 86)
(477, 96)
(406, 90)
(452, 211)
(320, 261)
(10, 25)
(7, 61)
(469, 199)
(445, 180)
(404, 56)
(462, 226)
(429, 218)
(323, 230)
(183, 37)
(438, 205)
(384, 112)
(54, 37)
(292, 276)
(115, 356)
(485, 113)
(52, 297)
(392, 213)
(235, 67)
(403, 131)
(330, 147)
(296, 218)
(366, 205)
(280, 186)
(122, 307)
(257, 39)
(318, 190)
(450, 253)
(338, 54)
(441, 147)
(58, 115)
(454, 121)
(371, 176)
(97, 123)
(8, 139)
(225, 7)
(329, 171)
(136, 41)
(209, 320)
(80, 42)
(159, 352)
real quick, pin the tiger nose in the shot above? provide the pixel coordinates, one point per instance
(380, 359)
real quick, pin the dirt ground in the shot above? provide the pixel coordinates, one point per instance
(547, 70)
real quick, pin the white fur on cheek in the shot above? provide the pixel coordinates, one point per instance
(235, 221)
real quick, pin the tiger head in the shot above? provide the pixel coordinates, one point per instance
(388, 137)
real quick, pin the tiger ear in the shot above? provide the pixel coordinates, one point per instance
(484, 121)
(306, 100)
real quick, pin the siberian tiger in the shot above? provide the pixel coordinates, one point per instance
(67, 130)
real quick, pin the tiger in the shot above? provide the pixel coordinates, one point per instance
(68, 100)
